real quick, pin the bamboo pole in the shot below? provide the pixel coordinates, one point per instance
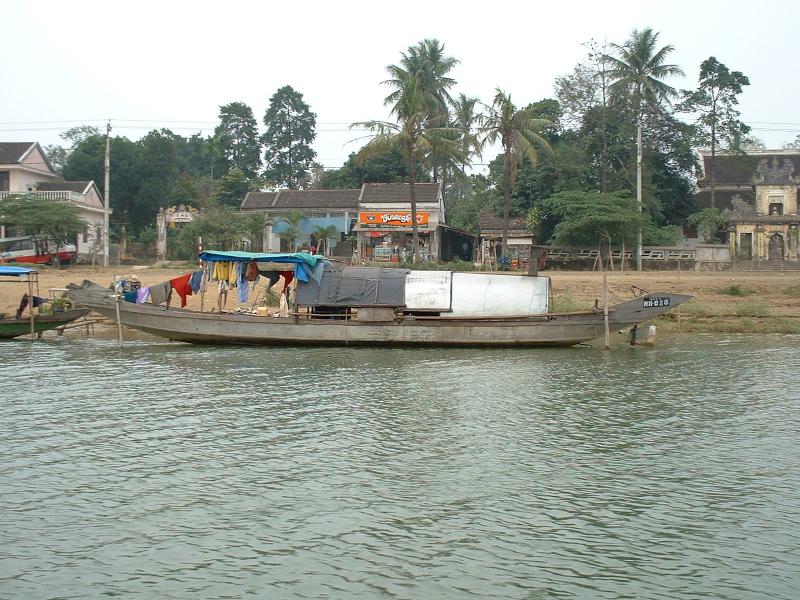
(30, 306)
(116, 308)
(605, 311)
(202, 286)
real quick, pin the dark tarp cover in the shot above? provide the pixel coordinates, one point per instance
(354, 286)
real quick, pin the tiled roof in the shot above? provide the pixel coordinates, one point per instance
(257, 200)
(399, 192)
(11, 152)
(492, 224)
(723, 198)
(732, 170)
(63, 186)
(302, 200)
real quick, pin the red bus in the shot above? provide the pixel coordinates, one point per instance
(37, 251)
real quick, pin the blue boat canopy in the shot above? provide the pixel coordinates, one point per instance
(15, 271)
(305, 263)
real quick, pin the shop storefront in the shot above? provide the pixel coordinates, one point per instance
(386, 236)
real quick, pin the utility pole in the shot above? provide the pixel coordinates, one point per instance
(639, 192)
(106, 233)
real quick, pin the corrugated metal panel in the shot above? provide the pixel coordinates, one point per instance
(484, 295)
(428, 290)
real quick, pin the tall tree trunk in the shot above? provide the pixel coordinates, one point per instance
(506, 201)
(412, 175)
(711, 163)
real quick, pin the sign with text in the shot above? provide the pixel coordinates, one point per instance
(394, 218)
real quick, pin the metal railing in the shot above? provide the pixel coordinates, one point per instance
(54, 195)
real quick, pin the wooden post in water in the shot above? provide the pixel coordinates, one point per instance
(202, 285)
(605, 311)
(30, 307)
(119, 320)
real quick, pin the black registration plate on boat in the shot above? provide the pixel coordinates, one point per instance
(655, 302)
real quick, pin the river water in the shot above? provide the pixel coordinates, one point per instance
(171, 471)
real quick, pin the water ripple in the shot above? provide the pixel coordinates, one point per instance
(168, 470)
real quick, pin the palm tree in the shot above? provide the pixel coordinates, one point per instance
(324, 233)
(517, 130)
(427, 62)
(465, 119)
(637, 71)
(410, 136)
(293, 220)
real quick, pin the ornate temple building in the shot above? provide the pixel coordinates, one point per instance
(758, 192)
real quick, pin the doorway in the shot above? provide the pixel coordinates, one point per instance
(746, 246)
(776, 247)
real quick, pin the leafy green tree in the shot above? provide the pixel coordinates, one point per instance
(708, 222)
(195, 155)
(86, 161)
(380, 168)
(221, 228)
(158, 173)
(231, 188)
(519, 133)
(31, 215)
(236, 140)
(714, 101)
(637, 72)
(591, 218)
(287, 141)
(584, 95)
(410, 136)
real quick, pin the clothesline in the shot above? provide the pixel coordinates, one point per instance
(228, 274)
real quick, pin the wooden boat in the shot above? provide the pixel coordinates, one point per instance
(32, 324)
(11, 328)
(384, 322)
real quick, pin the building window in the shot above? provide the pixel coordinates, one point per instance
(776, 208)
(4, 181)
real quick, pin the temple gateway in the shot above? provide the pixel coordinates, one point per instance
(759, 194)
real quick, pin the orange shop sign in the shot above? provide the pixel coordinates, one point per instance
(395, 218)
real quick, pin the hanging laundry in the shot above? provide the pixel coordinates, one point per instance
(244, 290)
(233, 273)
(181, 286)
(221, 271)
(252, 271)
(288, 276)
(142, 295)
(222, 294)
(129, 297)
(195, 280)
(160, 293)
(271, 276)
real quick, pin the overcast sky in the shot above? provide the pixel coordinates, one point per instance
(171, 64)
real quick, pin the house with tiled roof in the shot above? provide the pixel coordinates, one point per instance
(379, 214)
(24, 169)
(321, 209)
(759, 193)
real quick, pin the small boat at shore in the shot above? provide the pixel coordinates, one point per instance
(34, 324)
(343, 306)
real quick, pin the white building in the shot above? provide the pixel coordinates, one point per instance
(24, 169)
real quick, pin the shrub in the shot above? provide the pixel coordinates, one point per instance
(735, 290)
(750, 309)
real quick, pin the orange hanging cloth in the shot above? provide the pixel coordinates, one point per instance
(182, 287)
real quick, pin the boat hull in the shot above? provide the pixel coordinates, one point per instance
(212, 328)
(11, 328)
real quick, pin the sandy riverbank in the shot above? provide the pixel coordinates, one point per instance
(723, 301)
